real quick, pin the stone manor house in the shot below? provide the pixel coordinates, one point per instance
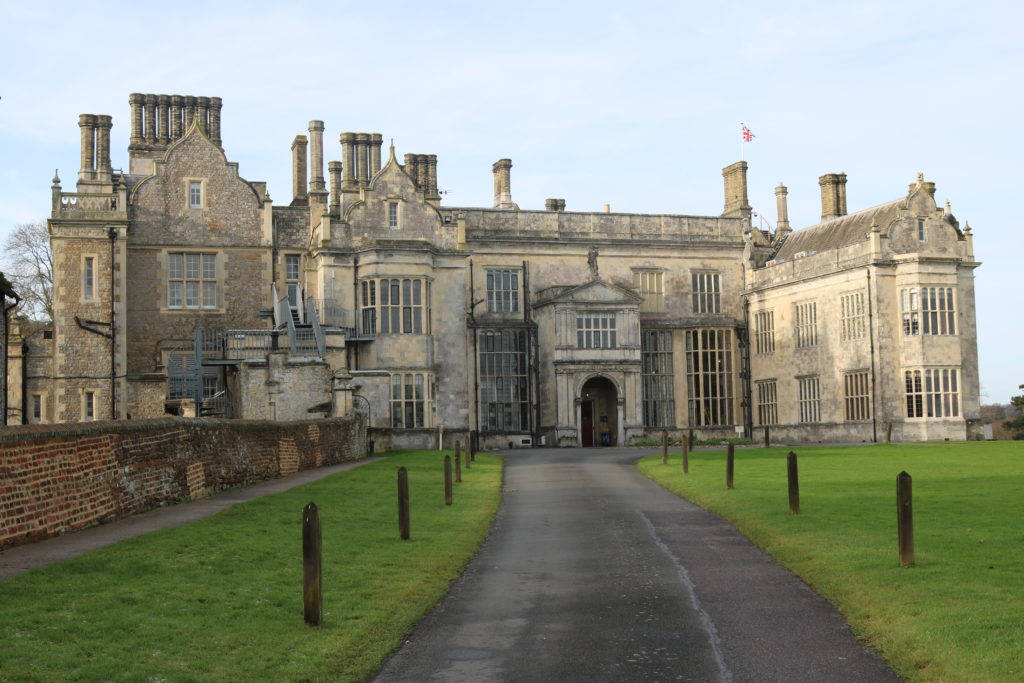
(182, 288)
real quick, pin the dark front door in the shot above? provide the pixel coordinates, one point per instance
(587, 424)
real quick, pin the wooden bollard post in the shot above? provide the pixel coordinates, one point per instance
(888, 432)
(403, 503)
(905, 518)
(767, 438)
(447, 480)
(458, 462)
(686, 457)
(794, 484)
(689, 438)
(664, 447)
(730, 457)
(469, 460)
(312, 555)
(472, 445)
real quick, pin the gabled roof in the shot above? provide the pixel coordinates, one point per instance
(840, 232)
(592, 292)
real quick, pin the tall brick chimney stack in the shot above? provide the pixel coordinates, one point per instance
(348, 160)
(736, 203)
(317, 187)
(502, 169)
(215, 106)
(87, 124)
(782, 207)
(300, 190)
(334, 171)
(104, 170)
(376, 140)
(833, 196)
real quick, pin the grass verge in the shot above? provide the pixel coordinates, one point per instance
(221, 598)
(956, 615)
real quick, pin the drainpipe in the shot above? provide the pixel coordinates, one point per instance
(745, 375)
(532, 332)
(112, 234)
(24, 384)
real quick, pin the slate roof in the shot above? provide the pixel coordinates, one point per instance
(840, 232)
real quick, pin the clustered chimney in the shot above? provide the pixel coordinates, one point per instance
(422, 168)
(158, 120)
(554, 205)
(833, 196)
(360, 157)
(95, 164)
(334, 171)
(736, 202)
(502, 169)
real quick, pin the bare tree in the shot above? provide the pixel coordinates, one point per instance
(28, 264)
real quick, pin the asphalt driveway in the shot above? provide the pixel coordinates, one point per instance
(594, 573)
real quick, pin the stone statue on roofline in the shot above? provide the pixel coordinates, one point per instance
(592, 263)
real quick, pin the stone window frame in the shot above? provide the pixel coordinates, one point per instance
(503, 296)
(379, 314)
(406, 403)
(767, 401)
(856, 395)
(805, 324)
(203, 194)
(928, 310)
(932, 393)
(504, 392)
(164, 273)
(657, 378)
(650, 284)
(596, 329)
(921, 234)
(852, 316)
(33, 416)
(394, 213)
(709, 376)
(809, 398)
(764, 332)
(88, 403)
(706, 291)
(88, 269)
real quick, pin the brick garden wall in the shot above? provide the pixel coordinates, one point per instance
(57, 478)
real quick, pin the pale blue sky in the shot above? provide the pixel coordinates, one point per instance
(637, 105)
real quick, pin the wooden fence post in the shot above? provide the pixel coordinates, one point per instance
(664, 447)
(312, 582)
(458, 462)
(472, 445)
(730, 457)
(905, 518)
(469, 460)
(767, 438)
(689, 438)
(447, 480)
(794, 484)
(403, 503)
(686, 457)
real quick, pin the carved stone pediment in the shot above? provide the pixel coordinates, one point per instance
(593, 292)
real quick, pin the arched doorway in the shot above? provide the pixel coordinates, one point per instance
(599, 413)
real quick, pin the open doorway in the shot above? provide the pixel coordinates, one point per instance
(598, 413)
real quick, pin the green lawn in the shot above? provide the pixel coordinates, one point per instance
(957, 615)
(221, 598)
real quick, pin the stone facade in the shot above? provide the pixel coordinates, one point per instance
(556, 327)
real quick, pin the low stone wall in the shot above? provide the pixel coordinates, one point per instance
(57, 478)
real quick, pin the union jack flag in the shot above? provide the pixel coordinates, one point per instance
(747, 135)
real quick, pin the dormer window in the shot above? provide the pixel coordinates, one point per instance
(393, 215)
(195, 194)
